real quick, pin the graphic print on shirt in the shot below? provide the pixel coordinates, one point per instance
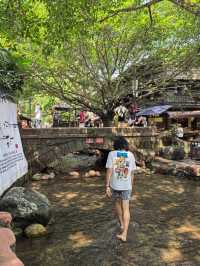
(121, 165)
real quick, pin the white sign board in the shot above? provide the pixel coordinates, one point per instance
(13, 163)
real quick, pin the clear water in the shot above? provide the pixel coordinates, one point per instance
(164, 228)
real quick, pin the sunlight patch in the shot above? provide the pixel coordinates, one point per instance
(168, 206)
(171, 254)
(193, 230)
(71, 195)
(92, 206)
(80, 240)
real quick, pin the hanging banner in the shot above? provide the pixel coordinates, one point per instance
(13, 164)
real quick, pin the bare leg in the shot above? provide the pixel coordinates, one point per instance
(126, 219)
(118, 210)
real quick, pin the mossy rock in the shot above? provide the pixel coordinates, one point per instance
(35, 230)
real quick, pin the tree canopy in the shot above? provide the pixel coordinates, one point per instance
(81, 51)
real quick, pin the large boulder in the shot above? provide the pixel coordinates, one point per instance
(26, 206)
(73, 162)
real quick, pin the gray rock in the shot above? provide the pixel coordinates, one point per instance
(26, 206)
(72, 162)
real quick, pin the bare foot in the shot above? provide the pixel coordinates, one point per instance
(122, 237)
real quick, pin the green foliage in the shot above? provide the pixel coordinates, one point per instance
(67, 53)
(11, 78)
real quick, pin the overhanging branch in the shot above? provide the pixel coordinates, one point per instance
(130, 9)
(192, 8)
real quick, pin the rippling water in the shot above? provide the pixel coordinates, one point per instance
(164, 228)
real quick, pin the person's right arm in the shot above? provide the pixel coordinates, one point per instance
(109, 166)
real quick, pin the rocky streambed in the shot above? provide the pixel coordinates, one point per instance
(164, 230)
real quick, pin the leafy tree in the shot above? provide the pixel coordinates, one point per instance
(95, 69)
(11, 78)
(88, 52)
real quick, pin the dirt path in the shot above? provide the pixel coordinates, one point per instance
(165, 227)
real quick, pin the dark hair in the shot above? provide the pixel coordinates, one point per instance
(120, 143)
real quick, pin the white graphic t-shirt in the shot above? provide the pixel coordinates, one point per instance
(122, 163)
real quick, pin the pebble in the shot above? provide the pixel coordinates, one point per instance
(74, 174)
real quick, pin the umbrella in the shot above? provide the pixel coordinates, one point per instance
(154, 110)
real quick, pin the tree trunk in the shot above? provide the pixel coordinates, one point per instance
(107, 120)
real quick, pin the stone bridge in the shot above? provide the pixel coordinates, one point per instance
(42, 146)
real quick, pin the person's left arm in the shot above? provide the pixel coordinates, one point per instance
(133, 168)
(109, 171)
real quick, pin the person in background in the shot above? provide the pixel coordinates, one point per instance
(179, 131)
(133, 109)
(97, 121)
(82, 118)
(119, 181)
(121, 111)
(141, 122)
(56, 118)
(89, 119)
(38, 115)
(131, 117)
(145, 122)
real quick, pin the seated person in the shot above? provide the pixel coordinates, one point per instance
(179, 131)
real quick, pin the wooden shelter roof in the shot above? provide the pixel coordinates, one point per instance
(186, 114)
(192, 74)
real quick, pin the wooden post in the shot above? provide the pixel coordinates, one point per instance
(190, 122)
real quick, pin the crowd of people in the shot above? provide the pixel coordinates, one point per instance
(128, 116)
(89, 119)
(123, 117)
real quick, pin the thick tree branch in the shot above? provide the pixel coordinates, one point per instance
(193, 8)
(130, 9)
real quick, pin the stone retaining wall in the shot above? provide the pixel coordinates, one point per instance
(42, 146)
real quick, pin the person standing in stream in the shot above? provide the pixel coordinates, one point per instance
(119, 180)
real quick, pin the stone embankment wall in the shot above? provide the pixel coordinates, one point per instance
(42, 146)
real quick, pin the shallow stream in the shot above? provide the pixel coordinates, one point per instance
(164, 228)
